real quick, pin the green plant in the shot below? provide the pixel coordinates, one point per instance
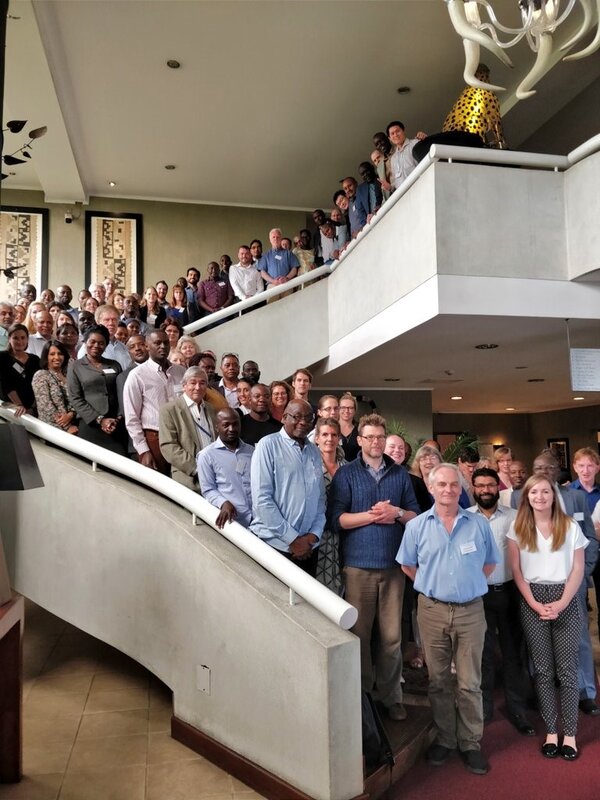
(464, 441)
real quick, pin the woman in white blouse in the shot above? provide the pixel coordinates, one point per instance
(546, 552)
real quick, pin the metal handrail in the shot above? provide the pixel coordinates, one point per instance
(438, 152)
(299, 582)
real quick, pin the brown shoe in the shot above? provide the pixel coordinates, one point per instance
(397, 712)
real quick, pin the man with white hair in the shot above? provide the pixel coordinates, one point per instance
(277, 266)
(7, 317)
(448, 553)
(187, 425)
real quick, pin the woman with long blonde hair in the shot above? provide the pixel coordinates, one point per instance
(546, 555)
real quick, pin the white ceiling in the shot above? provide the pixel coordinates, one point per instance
(275, 101)
(441, 356)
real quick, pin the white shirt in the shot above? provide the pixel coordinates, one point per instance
(500, 523)
(245, 281)
(545, 566)
(204, 428)
(230, 395)
(505, 496)
(36, 344)
(596, 513)
(402, 162)
(146, 389)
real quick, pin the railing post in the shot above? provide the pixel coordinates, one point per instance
(293, 597)
(94, 466)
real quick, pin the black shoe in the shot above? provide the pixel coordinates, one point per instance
(437, 754)
(588, 706)
(550, 750)
(475, 761)
(568, 753)
(523, 725)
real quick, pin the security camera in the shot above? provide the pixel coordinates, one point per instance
(68, 218)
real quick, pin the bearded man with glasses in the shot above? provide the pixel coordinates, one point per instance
(370, 501)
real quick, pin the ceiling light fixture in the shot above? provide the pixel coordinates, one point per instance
(539, 18)
(170, 166)
(521, 367)
(579, 398)
(456, 397)
(112, 183)
(391, 380)
(536, 380)
(403, 89)
(486, 346)
(509, 408)
(172, 63)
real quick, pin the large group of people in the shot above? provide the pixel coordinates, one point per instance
(481, 557)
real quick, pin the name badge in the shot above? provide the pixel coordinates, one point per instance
(469, 547)
(579, 516)
(109, 371)
(278, 258)
(18, 368)
(221, 283)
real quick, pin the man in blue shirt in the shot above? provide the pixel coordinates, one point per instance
(224, 471)
(370, 499)
(278, 266)
(449, 552)
(288, 490)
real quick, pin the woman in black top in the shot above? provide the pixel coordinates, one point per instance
(17, 368)
(92, 390)
(349, 433)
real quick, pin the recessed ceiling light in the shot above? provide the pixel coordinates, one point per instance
(112, 183)
(509, 408)
(173, 63)
(536, 380)
(169, 166)
(486, 346)
(403, 89)
(391, 380)
(456, 397)
(521, 367)
(579, 398)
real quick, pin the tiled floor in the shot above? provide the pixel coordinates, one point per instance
(96, 726)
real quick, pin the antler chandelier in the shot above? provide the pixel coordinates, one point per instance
(540, 18)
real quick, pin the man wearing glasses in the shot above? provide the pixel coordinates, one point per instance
(288, 491)
(370, 501)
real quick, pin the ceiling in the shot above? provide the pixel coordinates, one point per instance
(274, 102)
(441, 356)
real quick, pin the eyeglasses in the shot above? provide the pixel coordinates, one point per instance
(372, 438)
(301, 417)
(485, 485)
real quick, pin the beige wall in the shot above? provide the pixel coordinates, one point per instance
(176, 235)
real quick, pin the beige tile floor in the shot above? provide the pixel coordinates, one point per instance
(96, 726)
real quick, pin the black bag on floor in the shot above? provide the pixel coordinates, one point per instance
(375, 743)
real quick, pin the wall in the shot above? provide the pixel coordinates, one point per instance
(527, 434)
(173, 597)
(582, 206)
(176, 235)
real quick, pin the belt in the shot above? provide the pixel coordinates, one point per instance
(453, 604)
(500, 587)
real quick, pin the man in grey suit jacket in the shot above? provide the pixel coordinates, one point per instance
(575, 505)
(186, 425)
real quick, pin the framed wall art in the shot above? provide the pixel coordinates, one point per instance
(24, 239)
(114, 249)
(560, 450)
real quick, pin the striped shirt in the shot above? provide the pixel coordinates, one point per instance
(146, 389)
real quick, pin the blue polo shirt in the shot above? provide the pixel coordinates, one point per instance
(278, 263)
(592, 497)
(449, 566)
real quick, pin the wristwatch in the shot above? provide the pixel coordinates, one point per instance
(399, 515)
(99, 420)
